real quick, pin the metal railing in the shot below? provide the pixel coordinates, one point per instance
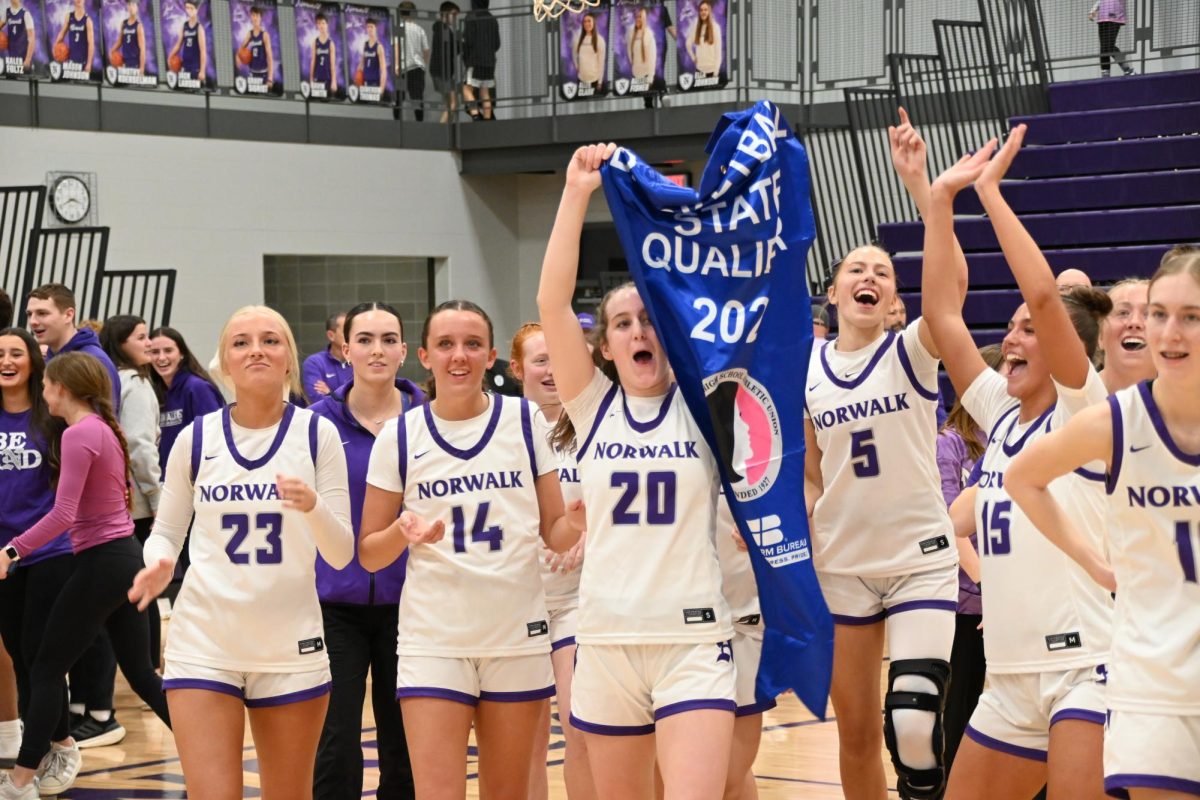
(73, 257)
(147, 293)
(21, 209)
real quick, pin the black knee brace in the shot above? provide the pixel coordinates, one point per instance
(918, 784)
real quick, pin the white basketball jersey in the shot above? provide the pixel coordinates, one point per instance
(1155, 551)
(874, 412)
(249, 600)
(1042, 612)
(649, 483)
(562, 588)
(737, 574)
(477, 593)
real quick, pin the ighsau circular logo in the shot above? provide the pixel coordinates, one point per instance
(747, 427)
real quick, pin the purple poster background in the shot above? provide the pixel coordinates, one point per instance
(12, 64)
(56, 18)
(354, 20)
(244, 82)
(703, 64)
(583, 69)
(174, 15)
(626, 21)
(306, 34)
(114, 13)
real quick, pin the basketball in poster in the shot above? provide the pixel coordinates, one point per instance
(319, 40)
(700, 44)
(24, 46)
(187, 36)
(583, 53)
(639, 48)
(129, 45)
(368, 39)
(76, 41)
(257, 69)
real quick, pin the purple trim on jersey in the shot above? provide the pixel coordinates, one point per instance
(518, 697)
(1088, 475)
(171, 684)
(290, 697)
(846, 619)
(1115, 785)
(561, 643)
(611, 730)
(922, 605)
(1012, 450)
(600, 412)
(437, 693)
(474, 449)
(312, 438)
(527, 432)
(1031, 753)
(992, 435)
(754, 708)
(649, 425)
(906, 363)
(1118, 444)
(867, 370)
(197, 445)
(1161, 427)
(226, 424)
(685, 706)
(402, 447)
(1081, 714)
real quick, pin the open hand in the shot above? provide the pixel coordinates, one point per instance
(150, 582)
(419, 530)
(965, 171)
(997, 168)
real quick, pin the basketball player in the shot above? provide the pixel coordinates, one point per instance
(374, 60)
(191, 43)
(1126, 359)
(1148, 437)
(360, 607)
(258, 42)
(654, 672)
(474, 640)
(324, 55)
(80, 35)
(133, 39)
(267, 484)
(871, 430)
(22, 35)
(529, 362)
(1038, 721)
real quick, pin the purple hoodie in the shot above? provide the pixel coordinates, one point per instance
(955, 464)
(26, 494)
(190, 396)
(323, 366)
(86, 341)
(354, 584)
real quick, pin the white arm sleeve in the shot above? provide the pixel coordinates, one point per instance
(329, 520)
(175, 506)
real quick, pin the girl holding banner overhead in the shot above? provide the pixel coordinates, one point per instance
(896, 577)
(654, 675)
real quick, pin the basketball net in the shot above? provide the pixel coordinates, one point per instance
(553, 9)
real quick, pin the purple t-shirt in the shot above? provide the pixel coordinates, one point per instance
(955, 464)
(26, 494)
(190, 396)
(90, 500)
(354, 584)
(324, 367)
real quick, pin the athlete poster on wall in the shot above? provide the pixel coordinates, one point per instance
(74, 33)
(256, 53)
(22, 43)
(319, 40)
(368, 54)
(639, 48)
(187, 35)
(700, 44)
(583, 53)
(129, 43)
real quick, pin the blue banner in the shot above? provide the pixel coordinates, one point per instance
(722, 273)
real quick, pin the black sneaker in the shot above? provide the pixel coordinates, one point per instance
(94, 733)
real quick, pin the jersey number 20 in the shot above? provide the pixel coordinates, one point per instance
(660, 498)
(239, 524)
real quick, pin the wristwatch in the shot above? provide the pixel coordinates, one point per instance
(11, 552)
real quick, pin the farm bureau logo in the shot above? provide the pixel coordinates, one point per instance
(748, 436)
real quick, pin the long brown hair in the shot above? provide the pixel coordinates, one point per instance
(563, 436)
(46, 428)
(113, 335)
(961, 422)
(705, 26)
(87, 380)
(594, 35)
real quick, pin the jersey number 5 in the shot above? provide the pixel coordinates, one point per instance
(863, 454)
(272, 523)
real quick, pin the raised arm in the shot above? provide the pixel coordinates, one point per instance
(1064, 353)
(569, 353)
(1086, 437)
(941, 300)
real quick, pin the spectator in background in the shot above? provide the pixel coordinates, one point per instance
(654, 97)
(6, 309)
(1070, 279)
(410, 54)
(820, 318)
(327, 370)
(480, 42)
(51, 312)
(443, 59)
(1109, 16)
(185, 389)
(897, 316)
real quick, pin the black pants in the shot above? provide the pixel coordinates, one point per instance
(93, 598)
(141, 529)
(413, 88)
(361, 638)
(967, 668)
(26, 597)
(1109, 31)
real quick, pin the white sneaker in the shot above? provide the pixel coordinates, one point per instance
(10, 742)
(59, 768)
(10, 791)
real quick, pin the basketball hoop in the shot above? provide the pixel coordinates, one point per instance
(553, 9)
